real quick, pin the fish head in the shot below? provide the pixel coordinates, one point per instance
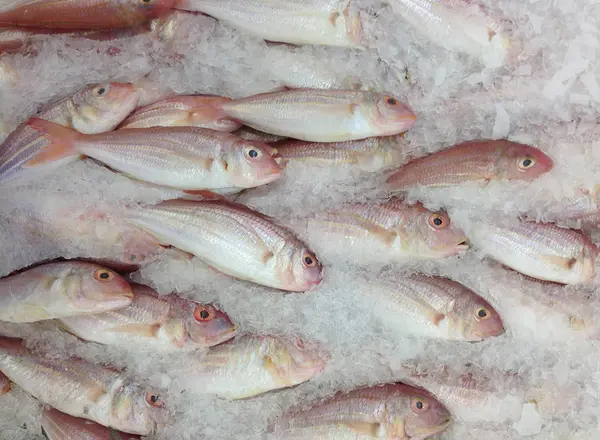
(253, 163)
(522, 162)
(151, 8)
(206, 325)
(479, 320)
(300, 269)
(95, 289)
(137, 409)
(101, 107)
(391, 116)
(290, 360)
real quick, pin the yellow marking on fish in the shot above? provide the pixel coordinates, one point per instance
(370, 429)
(146, 330)
(564, 262)
(576, 323)
(385, 235)
(267, 256)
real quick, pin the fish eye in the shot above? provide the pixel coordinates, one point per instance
(300, 344)
(418, 405)
(482, 314)
(253, 153)
(202, 313)
(438, 220)
(309, 260)
(392, 101)
(103, 275)
(154, 400)
(101, 90)
(526, 163)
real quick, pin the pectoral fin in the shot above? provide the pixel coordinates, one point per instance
(371, 429)
(146, 330)
(564, 262)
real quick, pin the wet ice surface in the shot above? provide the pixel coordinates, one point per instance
(540, 379)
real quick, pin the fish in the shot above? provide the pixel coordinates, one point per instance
(161, 322)
(255, 135)
(480, 160)
(182, 111)
(394, 230)
(234, 240)
(95, 109)
(434, 307)
(5, 384)
(251, 365)
(185, 158)
(60, 426)
(84, 14)
(322, 115)
(466, 26)
(371, 154)
(56, 290)
(543, 251)
(390, 411)
(83, 389)
(320, 22)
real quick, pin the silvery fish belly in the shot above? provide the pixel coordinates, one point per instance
(60, 426)
(324, 22)
(391, 411)
(57, 290)
(153, 321)
(234, 240)
(251, 365)
(541, 250)
(82, 389)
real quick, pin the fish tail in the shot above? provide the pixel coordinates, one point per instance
(61, 142)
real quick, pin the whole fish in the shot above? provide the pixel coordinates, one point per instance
(460, 25)
(60, 426)
(82, 389)
(182, 111)
(96, 108)
(324, 22)
(234, 240)
(390, 411)
(322, 115)
(484, 160)
(395, 229)
(56, 290)
(371, 154)
(5, 384)
(186, 158)
(83, 14)
(435, 307)
(541, 250)
(251, 365)
(163, 322)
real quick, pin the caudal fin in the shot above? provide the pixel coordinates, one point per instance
(61, 142)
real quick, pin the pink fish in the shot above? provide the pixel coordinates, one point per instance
(60, 426)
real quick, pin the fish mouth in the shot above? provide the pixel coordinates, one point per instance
(223, 337)
(463, 245)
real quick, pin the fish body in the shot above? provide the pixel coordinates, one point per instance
(83, 389)
(5, 385)
(162, 322)
(186, 158)
(435, 307)
(182, 111)
(60, 426)
(322, 115)
(323, 22)
(95, 109)
(390, 411)
(234, 240)
(57, 290)
(255, 135)
(541, 250)
(395, 229)
(482, 161)
(251, 365)
(84, 14)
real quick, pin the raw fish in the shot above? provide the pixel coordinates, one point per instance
(234, 240)
(255, 135)
(158, 322)
(5, 384)
(391, 411)
(325, 22)
(95, 109)
(82, 389)
(322, 115)
(60, 426)
(484, 160)
(82, 14)
(251, 365)
(186, 158)
(57, 290)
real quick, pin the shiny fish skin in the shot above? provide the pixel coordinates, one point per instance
(435, 307)
(391, 411)
(255, 135)
(250, 365)
(60, 426)
(234, 240)
(94, 109)
(541, 250)
(5, 384)
(82, 14)
(57, 290)
(322, 115)
(158, 322)
(324, 22)
(484, 160)
(182, 111)
(82, 389)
